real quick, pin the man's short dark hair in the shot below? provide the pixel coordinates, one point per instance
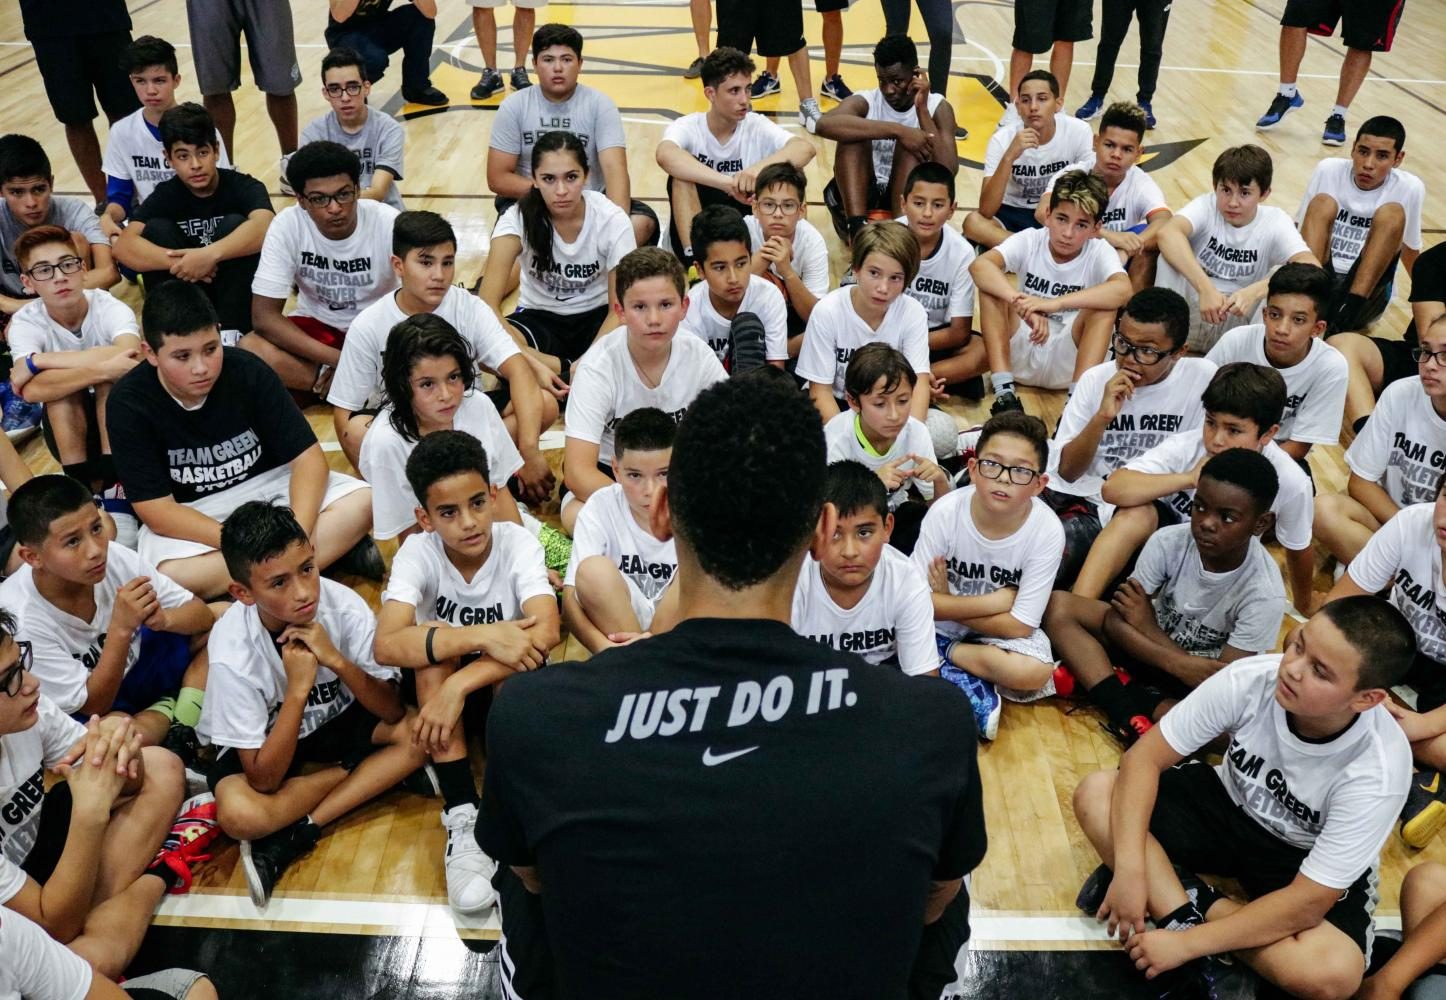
(552, 34)
(873, 362)
(1384, 127)
(1127, 117)
(718, 224)
(1379, 633)
(1249, 470)
(1251, 392)
(896, 50)
(1241, 165)
(189, 123)
(1164, 306)
(1301, 278)
(1021, 425)
(147, 51)
(39, 501)
(417, 229)
(443, 454)
(341, 57)
(1044, 75)
(929, 172)
(175, 309)
(777, 175)
(645, 429)
(853, 488)
(321, 159)
(256, 531)
(723, 62)
(747, 444)
(22, 156)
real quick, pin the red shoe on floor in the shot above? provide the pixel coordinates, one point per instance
(193, 832)
(1064, 682)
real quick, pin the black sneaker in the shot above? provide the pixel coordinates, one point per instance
(182, 741)
(266, 860)
(1004, 402)
(746, 350)
(429, 96)
(423, 781)
(1334, 133)
(363, 559)
(1195, 980)
(490, 84)
(694, 70)
(519, 79)
(1092, 894)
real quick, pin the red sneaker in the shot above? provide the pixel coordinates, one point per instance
(194, 830)
(1064, 682)
(1123, 675)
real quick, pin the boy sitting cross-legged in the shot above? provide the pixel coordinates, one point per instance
(856, 592)
(467, 605)
(1202, 595)
(617, 581)
(991, 551)
(1298, 811)
(293, 682)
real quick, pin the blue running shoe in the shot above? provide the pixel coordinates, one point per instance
(1279, 105)
(1149, 114)
(987, 704)
(1335, 131)
(1091, 109)
(20, 418)
(766, 84)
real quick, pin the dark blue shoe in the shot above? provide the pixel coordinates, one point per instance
(766, 84)
(1149, 114)
(1279, 105)
(1091, 109)
(1335, 131)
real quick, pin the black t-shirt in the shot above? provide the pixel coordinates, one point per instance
(731, 810)
(67, 18)
(1428, 284)
(366, 10)
(248, 425)
(237, 193)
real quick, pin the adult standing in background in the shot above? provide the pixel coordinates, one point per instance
(938, 18)
(779, 34)
(78, 46)
(216, 29)
(1115, 17)
(484, 26)
(376, 30)
(700, 12)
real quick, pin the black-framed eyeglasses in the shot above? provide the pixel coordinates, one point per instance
(13, 679)
(767, 206)
(1144, 355)
(1421, 356)
(1019, 475)
(343, 197)
(46, 271)
(351, 88)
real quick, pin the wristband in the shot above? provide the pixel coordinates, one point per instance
(431, 656)
(30, 363)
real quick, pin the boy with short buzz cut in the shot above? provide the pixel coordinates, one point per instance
(1056, 324)
(1023, 155)
(1289, 340)
(1297, 811)
(467, 605)
(293, 682)
(787, 248)
(376, 138)
(424, 261)
(991, 551)
(743, 320)
(1137, 210)
(1221, 248)
(70, 345)
(856, 592)
(623, 559)
(204, 226)
(1201, 595)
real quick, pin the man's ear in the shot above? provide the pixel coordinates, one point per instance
(1368, 699)
(31, 556)
(660, 518)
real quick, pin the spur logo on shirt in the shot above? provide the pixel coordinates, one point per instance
(218, 466)
(449, 611)
(1419, 468)
(1269, 798)
(968, 578)
(1041, 285)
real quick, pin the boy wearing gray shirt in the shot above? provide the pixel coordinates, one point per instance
(374, 136)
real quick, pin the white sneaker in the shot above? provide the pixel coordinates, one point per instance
(469, 871)
(808, 115)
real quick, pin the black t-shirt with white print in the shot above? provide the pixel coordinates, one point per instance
(236, 194)
(712, 810)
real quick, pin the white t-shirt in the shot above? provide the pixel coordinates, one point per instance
(247, 682)
(578, 280)
(1294, 506)
(1315, 389)
(881, 111)
(66, 648)
(1027, 255)
(1234, 256)
(1403, 445)
(835, 331)
(134, 153)
(514, 573)
(1027, 559)
(1405, 556)
(384, 454)
(607, 527)
(24, 759)
(944, 286)
(1356, 209)
(755, 138)
(760, 297)
(380, 144)
(809, 257)
(1203, 611)
(33, 331)
(606, 386)
(335, 279)
(358, 377)
(842, 436)
(892, 624)
(1130, 205)
(34, 966)
(1338, 800)
(1036, 167)
(1149, 416)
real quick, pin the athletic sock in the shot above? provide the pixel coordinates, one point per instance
(455, 779)
(854, 223)
(1109, 694)
(1348, 314)
(1184, 918)
(103, 468)
(1288, 89)
(79, 471)
(188, 706)
(165, 873)
(1340, 109)
(1003, 382)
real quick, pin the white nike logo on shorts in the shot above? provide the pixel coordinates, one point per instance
(710, 759)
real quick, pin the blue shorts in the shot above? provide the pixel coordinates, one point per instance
(1016, 219)
(157, 672)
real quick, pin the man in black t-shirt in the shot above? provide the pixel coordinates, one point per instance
(205, 225)
(730, 809)
(376, 30)
(201, 429)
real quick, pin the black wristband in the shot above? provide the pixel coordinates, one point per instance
(431, 656)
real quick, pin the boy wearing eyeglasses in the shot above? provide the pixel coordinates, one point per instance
(787, 248)
(335, 249)
(377, 138)
(991, 551)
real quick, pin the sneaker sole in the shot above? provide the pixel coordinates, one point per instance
(475, 910)
(1333, 142)
(253, 877)
(1423, 827)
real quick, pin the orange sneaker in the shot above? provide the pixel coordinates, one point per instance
(194, 830)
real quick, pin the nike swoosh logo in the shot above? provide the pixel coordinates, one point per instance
(710, 759)
(1433, 786)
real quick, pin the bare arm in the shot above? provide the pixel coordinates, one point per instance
(942, 125)
(500, 257)
(941, 894)
(681, 165)
(63, 373)
(382, 181)
(381, 698)
(309, 473)
(797, 151)
(1112, 293)
(1300, 564)
(102, 272)
(1373, 497)
(1295, 449)
(849, 122)
(165, 516)
(1154, 647)
(580, 473)
(245, 239)
(823, 398)
(580, 625)
(1075, 457)
(266, 766)
(1425, 313)
(276, 327)
(1266, 919)
(1174, 240)
(1129, 488)
(400, 642)
(1151, 233)
(1424, 947)
(502, 176)
(138, 253)
(989, 277)
(341, 10)
(616, 183)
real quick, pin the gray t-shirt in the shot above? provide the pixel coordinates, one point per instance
(73, 214)
(1203, 611)
(380, 144)
(589, 114)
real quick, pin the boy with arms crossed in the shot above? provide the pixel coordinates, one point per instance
(742, 318)
(376, 138)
